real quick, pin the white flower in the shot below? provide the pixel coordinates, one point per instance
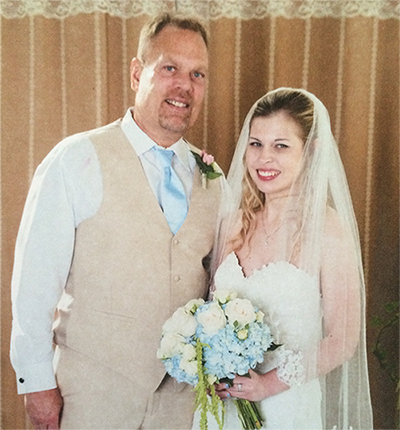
(171, 344)
(242, 334)
(181, 322)
(240, 310)
(211, 379)
(192, 305)
(260, 316)
(188, 352)
(190, 367)
(212, 319)
(224, 296)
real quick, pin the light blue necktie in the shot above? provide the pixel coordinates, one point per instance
(172, 194)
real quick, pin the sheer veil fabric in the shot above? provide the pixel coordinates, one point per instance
(317, 216)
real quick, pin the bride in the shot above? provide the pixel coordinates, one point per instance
(290, 245)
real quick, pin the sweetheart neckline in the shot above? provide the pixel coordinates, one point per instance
(264, 266)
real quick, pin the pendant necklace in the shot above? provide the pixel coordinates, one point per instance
(268, 236)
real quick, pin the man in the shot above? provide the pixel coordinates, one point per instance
(99, 233)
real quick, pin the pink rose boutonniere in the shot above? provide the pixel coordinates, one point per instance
(207, 165)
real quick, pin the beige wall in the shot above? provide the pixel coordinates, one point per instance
(59, 77)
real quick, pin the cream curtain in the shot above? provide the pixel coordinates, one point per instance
(65, 69)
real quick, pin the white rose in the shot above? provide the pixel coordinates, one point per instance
(181, 322)
(192, 305)
(224, 296)
(240, 310)
(171, 344)
(213, 319)
(190, 367)
(188, 352)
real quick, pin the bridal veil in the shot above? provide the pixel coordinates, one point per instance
(319, 196)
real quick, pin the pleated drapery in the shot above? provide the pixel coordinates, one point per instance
(65, 69)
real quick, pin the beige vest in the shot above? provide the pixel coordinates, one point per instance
(129, 272)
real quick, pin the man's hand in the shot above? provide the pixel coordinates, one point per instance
(43, 408)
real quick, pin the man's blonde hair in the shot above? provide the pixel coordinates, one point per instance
(155, 25)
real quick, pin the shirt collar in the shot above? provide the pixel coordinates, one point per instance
(141, 142)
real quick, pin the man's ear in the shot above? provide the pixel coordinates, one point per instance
(136, 71)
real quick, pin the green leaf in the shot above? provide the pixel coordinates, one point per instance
(207, 169)
(377, 322)
(380, 354)
(392, 307)
(213, 175)
(274, 346)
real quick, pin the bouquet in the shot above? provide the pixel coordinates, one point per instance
(207, 342)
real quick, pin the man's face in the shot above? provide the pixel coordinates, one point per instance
(170, 84)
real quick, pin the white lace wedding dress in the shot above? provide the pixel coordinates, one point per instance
(290, 299)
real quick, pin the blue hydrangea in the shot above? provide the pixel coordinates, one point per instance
(224, 354)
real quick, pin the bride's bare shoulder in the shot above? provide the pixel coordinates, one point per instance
(231, 226)
(337, 233)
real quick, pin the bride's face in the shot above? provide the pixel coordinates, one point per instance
(274, 152)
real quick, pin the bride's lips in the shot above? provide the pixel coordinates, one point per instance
(268, 175)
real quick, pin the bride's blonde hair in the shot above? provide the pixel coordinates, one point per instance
(301, 109)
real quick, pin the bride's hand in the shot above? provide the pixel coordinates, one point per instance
(254, 388)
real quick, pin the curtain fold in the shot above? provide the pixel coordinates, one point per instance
(65, 69)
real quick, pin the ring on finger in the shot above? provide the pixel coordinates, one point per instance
(239, 387)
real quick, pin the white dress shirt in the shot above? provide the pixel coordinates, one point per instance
(66, 190)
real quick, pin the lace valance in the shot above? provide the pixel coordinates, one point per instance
(208, 9)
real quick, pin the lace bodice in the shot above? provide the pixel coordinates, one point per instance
(290, 299)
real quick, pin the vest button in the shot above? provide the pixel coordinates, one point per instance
(21, 380)
(177, 278)
(176, 242)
